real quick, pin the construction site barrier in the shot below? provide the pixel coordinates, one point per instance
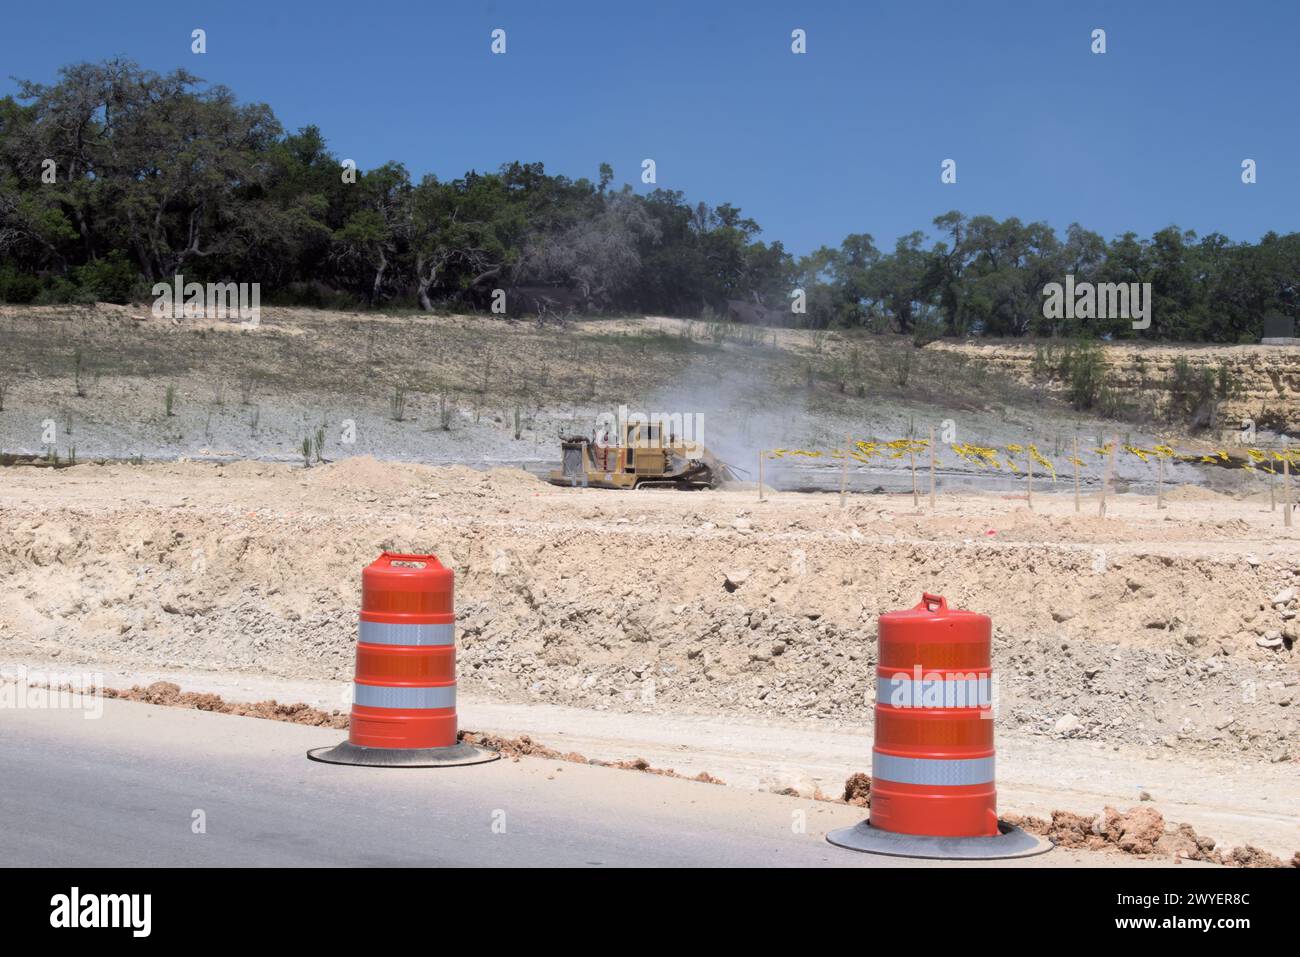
(404, 688)
(933, 792)
(995, 457)
(932, 761)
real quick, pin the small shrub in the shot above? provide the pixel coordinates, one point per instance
(247, 386)
(78, 370)
(1044, 365)
(1083, 367)
(928, 329)
(63, 291)
(902, 368)
(1194, 393)
(1111, 404)
(110, 279)
(17, 287)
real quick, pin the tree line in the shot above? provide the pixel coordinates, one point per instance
(116, 177)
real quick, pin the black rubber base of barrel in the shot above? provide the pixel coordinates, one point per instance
(1010, 842)
(454, 756)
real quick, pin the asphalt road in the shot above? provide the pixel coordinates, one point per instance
(124, 790)
(130, 788)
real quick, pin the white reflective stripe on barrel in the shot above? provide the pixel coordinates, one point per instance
(933, 771)
(389, 696)
(902, 691)
(383, 633)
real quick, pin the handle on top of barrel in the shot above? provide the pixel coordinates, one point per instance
(388, 558)
(933, 602)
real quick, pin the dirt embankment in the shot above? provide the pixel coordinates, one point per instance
(112, 382)
(1151, 628)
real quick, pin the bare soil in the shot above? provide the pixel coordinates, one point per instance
(1154, 638)
(1147, 626)
(94, 382)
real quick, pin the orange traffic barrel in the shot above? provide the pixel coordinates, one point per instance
(404, 691)
(932, 763)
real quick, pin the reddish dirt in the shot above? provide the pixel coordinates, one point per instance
(1142, 831)
(857, 790)
(520, 747)
(641, 764)
(170, 695)
(524, 746)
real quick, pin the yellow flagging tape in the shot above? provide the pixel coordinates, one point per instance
(993, 457)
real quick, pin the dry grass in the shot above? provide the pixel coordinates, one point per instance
(498, 363)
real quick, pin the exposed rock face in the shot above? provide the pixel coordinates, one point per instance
(1269, 376)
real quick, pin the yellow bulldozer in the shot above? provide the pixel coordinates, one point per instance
(647, 458)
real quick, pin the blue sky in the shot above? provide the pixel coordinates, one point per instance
(846, 138)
